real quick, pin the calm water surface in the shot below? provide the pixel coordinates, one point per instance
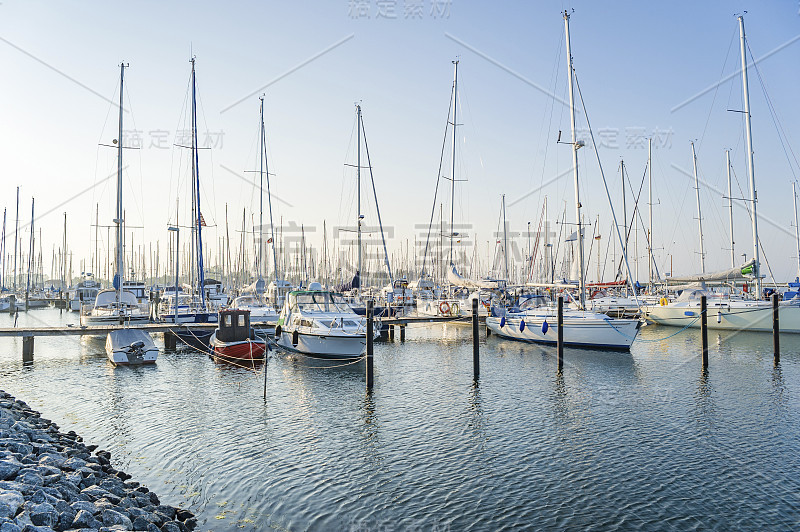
(620, 441)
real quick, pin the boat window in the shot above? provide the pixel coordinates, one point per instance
(241, 320)
(228, 320)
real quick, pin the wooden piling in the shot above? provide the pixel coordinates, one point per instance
(27, 348)
(402, 333)
(476, 365)
(704, 329)
(560, 343)
(391, 332)
(169, 341)
(369, 346)
(776, 328)
(12, 304)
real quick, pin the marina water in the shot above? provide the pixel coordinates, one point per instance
(618, 441)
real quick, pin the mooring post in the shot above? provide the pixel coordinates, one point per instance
(560, 333)
(369, 345)
(476, 363)
(169, 341)
(402, 333)
(704, 329)
(776, 328)
(12, 304)
(391, 332)
(266, 359)
(27, 348)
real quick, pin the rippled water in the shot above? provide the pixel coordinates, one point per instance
(621, 441)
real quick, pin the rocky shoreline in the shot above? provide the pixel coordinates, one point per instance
(51, 481)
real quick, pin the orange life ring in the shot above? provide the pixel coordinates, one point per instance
(444, 307)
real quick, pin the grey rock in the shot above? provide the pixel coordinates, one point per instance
(140, 523)
(169, 511)
(16, 486)
(35, 528)
(82, 519)
(53, 459)
(170, 526)
(28, 476)
(190, 523)
(154, 498)
(10, 502)
(153, 528)
(65, 520)
(73, 464)
(9, 469)
(10, 527)
(85, 506)
(183, 515)
(43, 514)
(111, 518)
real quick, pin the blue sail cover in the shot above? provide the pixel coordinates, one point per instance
(346, 287)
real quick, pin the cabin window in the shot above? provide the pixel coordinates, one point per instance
(228, 320)
(241, 320)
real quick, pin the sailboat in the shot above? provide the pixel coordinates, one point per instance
(118, 306)
(582, 328)
(254, 298)
(728, 311)
(195, 306)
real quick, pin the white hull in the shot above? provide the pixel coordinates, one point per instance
(120, 352)
(581, 329)
(725, 315)
(327, 346)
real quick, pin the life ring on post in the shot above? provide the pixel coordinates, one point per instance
(454, 309)
(744, 287)
(663, 301)
(444, 308)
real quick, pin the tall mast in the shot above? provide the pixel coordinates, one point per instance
(197, 222)
(269, 203)
(96, 229)
(699, 214)
(624, 212)
(358, 173)
(3, 254)
(64, 254)
(575, 147)
(118, 220)
(751, 171)
(650, 214)
(16, 240)
(261, 193)
(730, 206)
(796, 228)
(453, 170)
(505, 240)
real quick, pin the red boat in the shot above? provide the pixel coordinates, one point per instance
(234, 339)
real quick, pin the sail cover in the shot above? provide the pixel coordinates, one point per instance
(346, 287)
(457, 280)
(742, 273)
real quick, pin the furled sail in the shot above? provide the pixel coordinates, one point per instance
(457, 279)
(742, 273)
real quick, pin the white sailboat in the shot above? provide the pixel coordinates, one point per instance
(254, 300)
(582, 328)
(118, 306)
(727, 311)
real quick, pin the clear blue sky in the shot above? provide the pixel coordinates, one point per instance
(635, 61)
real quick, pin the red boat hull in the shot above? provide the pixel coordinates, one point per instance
(250, 350)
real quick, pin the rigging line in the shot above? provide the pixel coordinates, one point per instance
(377, 208)
(438, 179)
(605, 184)
(716, 88)
(775, 120)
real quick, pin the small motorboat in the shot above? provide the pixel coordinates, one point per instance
(128, 347)
(234, 339)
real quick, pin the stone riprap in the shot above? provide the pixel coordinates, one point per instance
(52, 481)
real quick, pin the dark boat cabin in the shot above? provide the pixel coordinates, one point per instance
(234, 325)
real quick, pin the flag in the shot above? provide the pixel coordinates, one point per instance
(269, 240)
(202, 220)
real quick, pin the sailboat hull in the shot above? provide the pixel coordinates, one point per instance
(587, 331)
(737, 316)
